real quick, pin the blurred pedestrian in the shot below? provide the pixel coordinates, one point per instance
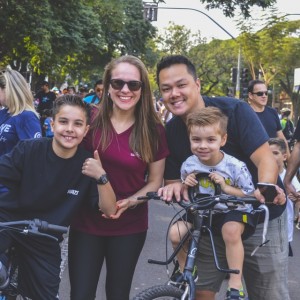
(258, 100)
(45, 99)
(18, 117)
(95, 96)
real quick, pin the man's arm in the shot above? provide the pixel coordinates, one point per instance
(267, 170)
(292, 167)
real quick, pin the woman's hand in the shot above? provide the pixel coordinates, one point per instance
(123, 205)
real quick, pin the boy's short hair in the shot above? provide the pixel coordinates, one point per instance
(278, 142)
(72, 100)
(208, 116)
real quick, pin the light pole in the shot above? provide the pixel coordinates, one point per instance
(238, 75)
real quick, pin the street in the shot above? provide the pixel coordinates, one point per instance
(147, 275)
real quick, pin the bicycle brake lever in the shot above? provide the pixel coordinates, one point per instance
(36, 232)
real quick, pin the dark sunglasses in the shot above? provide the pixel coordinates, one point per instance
(133, 85)
(261, 93)
(99, 90)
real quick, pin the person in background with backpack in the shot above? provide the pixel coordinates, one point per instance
(287, 125)
(95, 97)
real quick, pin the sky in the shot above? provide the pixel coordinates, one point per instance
(195, 21)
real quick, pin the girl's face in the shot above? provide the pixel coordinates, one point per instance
(2, 97)
(125, 97)
(69, 128)
(206, 143)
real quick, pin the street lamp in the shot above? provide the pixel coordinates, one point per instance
(238, 84)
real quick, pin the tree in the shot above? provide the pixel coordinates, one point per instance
(78, 38)
(229, 7)
(213, 63)
(177, 39)
(275, 51)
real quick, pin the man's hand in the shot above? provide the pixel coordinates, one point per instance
(173, 190)
(280, 199)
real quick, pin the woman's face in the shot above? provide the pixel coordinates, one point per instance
(2, 97)
(125, 95)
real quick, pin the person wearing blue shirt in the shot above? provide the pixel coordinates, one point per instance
(266, 272)
(18, 117)
(96, 96)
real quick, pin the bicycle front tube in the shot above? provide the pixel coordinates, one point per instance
(193, 249)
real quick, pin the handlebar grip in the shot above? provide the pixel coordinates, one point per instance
(57, 228)
(45, 226)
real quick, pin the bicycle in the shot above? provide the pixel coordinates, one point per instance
(9, 269)
(201, 207)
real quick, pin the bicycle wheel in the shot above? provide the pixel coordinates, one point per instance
(162, 292)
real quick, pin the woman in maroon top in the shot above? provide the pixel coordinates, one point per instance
(132, 147)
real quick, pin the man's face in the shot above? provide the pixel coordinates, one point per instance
(179, 90)
(99, 90)
(45, 88)
(259, 96)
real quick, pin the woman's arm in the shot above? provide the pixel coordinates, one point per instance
(154, 182)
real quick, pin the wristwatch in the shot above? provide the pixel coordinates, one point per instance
(102, 180)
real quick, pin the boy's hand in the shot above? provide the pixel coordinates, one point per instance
(218, 179)
(190, 180)
(92, 167)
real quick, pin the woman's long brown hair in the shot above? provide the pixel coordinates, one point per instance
(144, 138)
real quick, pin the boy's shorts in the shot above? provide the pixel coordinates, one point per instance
(219, 219)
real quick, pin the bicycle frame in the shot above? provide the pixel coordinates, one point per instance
(10, 287)
(202, 211)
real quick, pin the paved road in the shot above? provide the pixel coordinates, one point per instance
(148, 275)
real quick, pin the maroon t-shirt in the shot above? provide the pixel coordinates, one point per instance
(126, 173)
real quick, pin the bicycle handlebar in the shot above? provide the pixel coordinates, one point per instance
(206, 202)
(34, 227)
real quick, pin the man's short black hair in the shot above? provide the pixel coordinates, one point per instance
(252, 83)
(168, 61)
(100, 81)
(45, 83)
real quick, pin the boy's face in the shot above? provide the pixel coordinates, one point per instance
(206, 143)
(279, 156)
(69, 128)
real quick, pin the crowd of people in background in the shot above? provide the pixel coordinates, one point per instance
(133, 143)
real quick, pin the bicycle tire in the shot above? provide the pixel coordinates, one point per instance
(161, 292)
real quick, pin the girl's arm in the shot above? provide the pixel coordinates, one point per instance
(154, 182)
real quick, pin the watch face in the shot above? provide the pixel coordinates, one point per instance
(103, 179)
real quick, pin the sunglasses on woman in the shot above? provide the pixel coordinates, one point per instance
(133, 85)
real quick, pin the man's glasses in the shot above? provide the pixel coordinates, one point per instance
(133, 85)
(260, 93)
(99, 90)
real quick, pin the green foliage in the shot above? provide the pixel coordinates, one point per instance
(229, 7)
(75, 38)
(213, 63)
